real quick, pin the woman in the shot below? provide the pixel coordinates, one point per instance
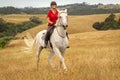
(52, 17)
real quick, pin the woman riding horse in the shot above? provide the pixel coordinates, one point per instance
(58, 39)
(52, 17)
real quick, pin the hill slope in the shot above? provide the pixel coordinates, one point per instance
(77, 24)
(92, 56)
(19, 18)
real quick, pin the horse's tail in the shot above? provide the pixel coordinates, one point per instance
(29, 41)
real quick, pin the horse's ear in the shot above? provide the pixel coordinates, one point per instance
(62, 10)
(66, 10)
(59, 11)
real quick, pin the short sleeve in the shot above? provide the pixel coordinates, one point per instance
(48, 14)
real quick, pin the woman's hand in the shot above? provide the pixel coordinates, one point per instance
(51, 22)
(48, 20)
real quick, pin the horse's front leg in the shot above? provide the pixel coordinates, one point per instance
(58, 53)
(67, 43)
(62, 53)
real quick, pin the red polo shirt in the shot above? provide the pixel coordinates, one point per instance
(52, 16)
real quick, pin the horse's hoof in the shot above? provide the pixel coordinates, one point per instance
(68, 46)
(65, 70)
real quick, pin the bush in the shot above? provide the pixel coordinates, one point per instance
(3, 25)
(97, 25)
(4, 41)
(35, 19)
(109, 24)
(24, 26)
(11, 29)
(111, 18)
(119, 21)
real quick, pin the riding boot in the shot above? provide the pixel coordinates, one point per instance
(47, 36)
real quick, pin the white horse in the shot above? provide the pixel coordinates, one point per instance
(58, 40)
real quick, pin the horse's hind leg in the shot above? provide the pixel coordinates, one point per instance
(39, 49)
(50, 59)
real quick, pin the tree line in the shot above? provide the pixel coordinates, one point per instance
(73, 9)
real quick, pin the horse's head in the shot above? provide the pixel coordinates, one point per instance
(63, 18)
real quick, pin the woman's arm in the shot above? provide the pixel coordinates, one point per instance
(48, 20)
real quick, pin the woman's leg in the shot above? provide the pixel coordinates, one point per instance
(47, 36)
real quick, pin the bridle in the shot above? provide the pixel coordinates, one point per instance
(65, 27)
(59, 21)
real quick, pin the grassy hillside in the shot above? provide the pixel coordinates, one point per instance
(77, 24)
(18, 18)
(92, 56)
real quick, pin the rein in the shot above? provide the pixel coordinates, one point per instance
(58, 24)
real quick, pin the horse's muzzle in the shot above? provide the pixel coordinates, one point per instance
(65, 26)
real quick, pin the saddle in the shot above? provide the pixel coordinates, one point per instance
(46, 37)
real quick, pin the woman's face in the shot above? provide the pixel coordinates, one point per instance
(54, 6)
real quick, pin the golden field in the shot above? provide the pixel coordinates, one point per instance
(18, 18)
(93, 55)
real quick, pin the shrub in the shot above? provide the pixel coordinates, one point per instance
(109, 24)
(111, 18)
(3, 25)
(97, 25)
(119, 21)
(4, 41)
(35, 19)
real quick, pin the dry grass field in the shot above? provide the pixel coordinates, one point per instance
(18, 18)
(93, 55)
